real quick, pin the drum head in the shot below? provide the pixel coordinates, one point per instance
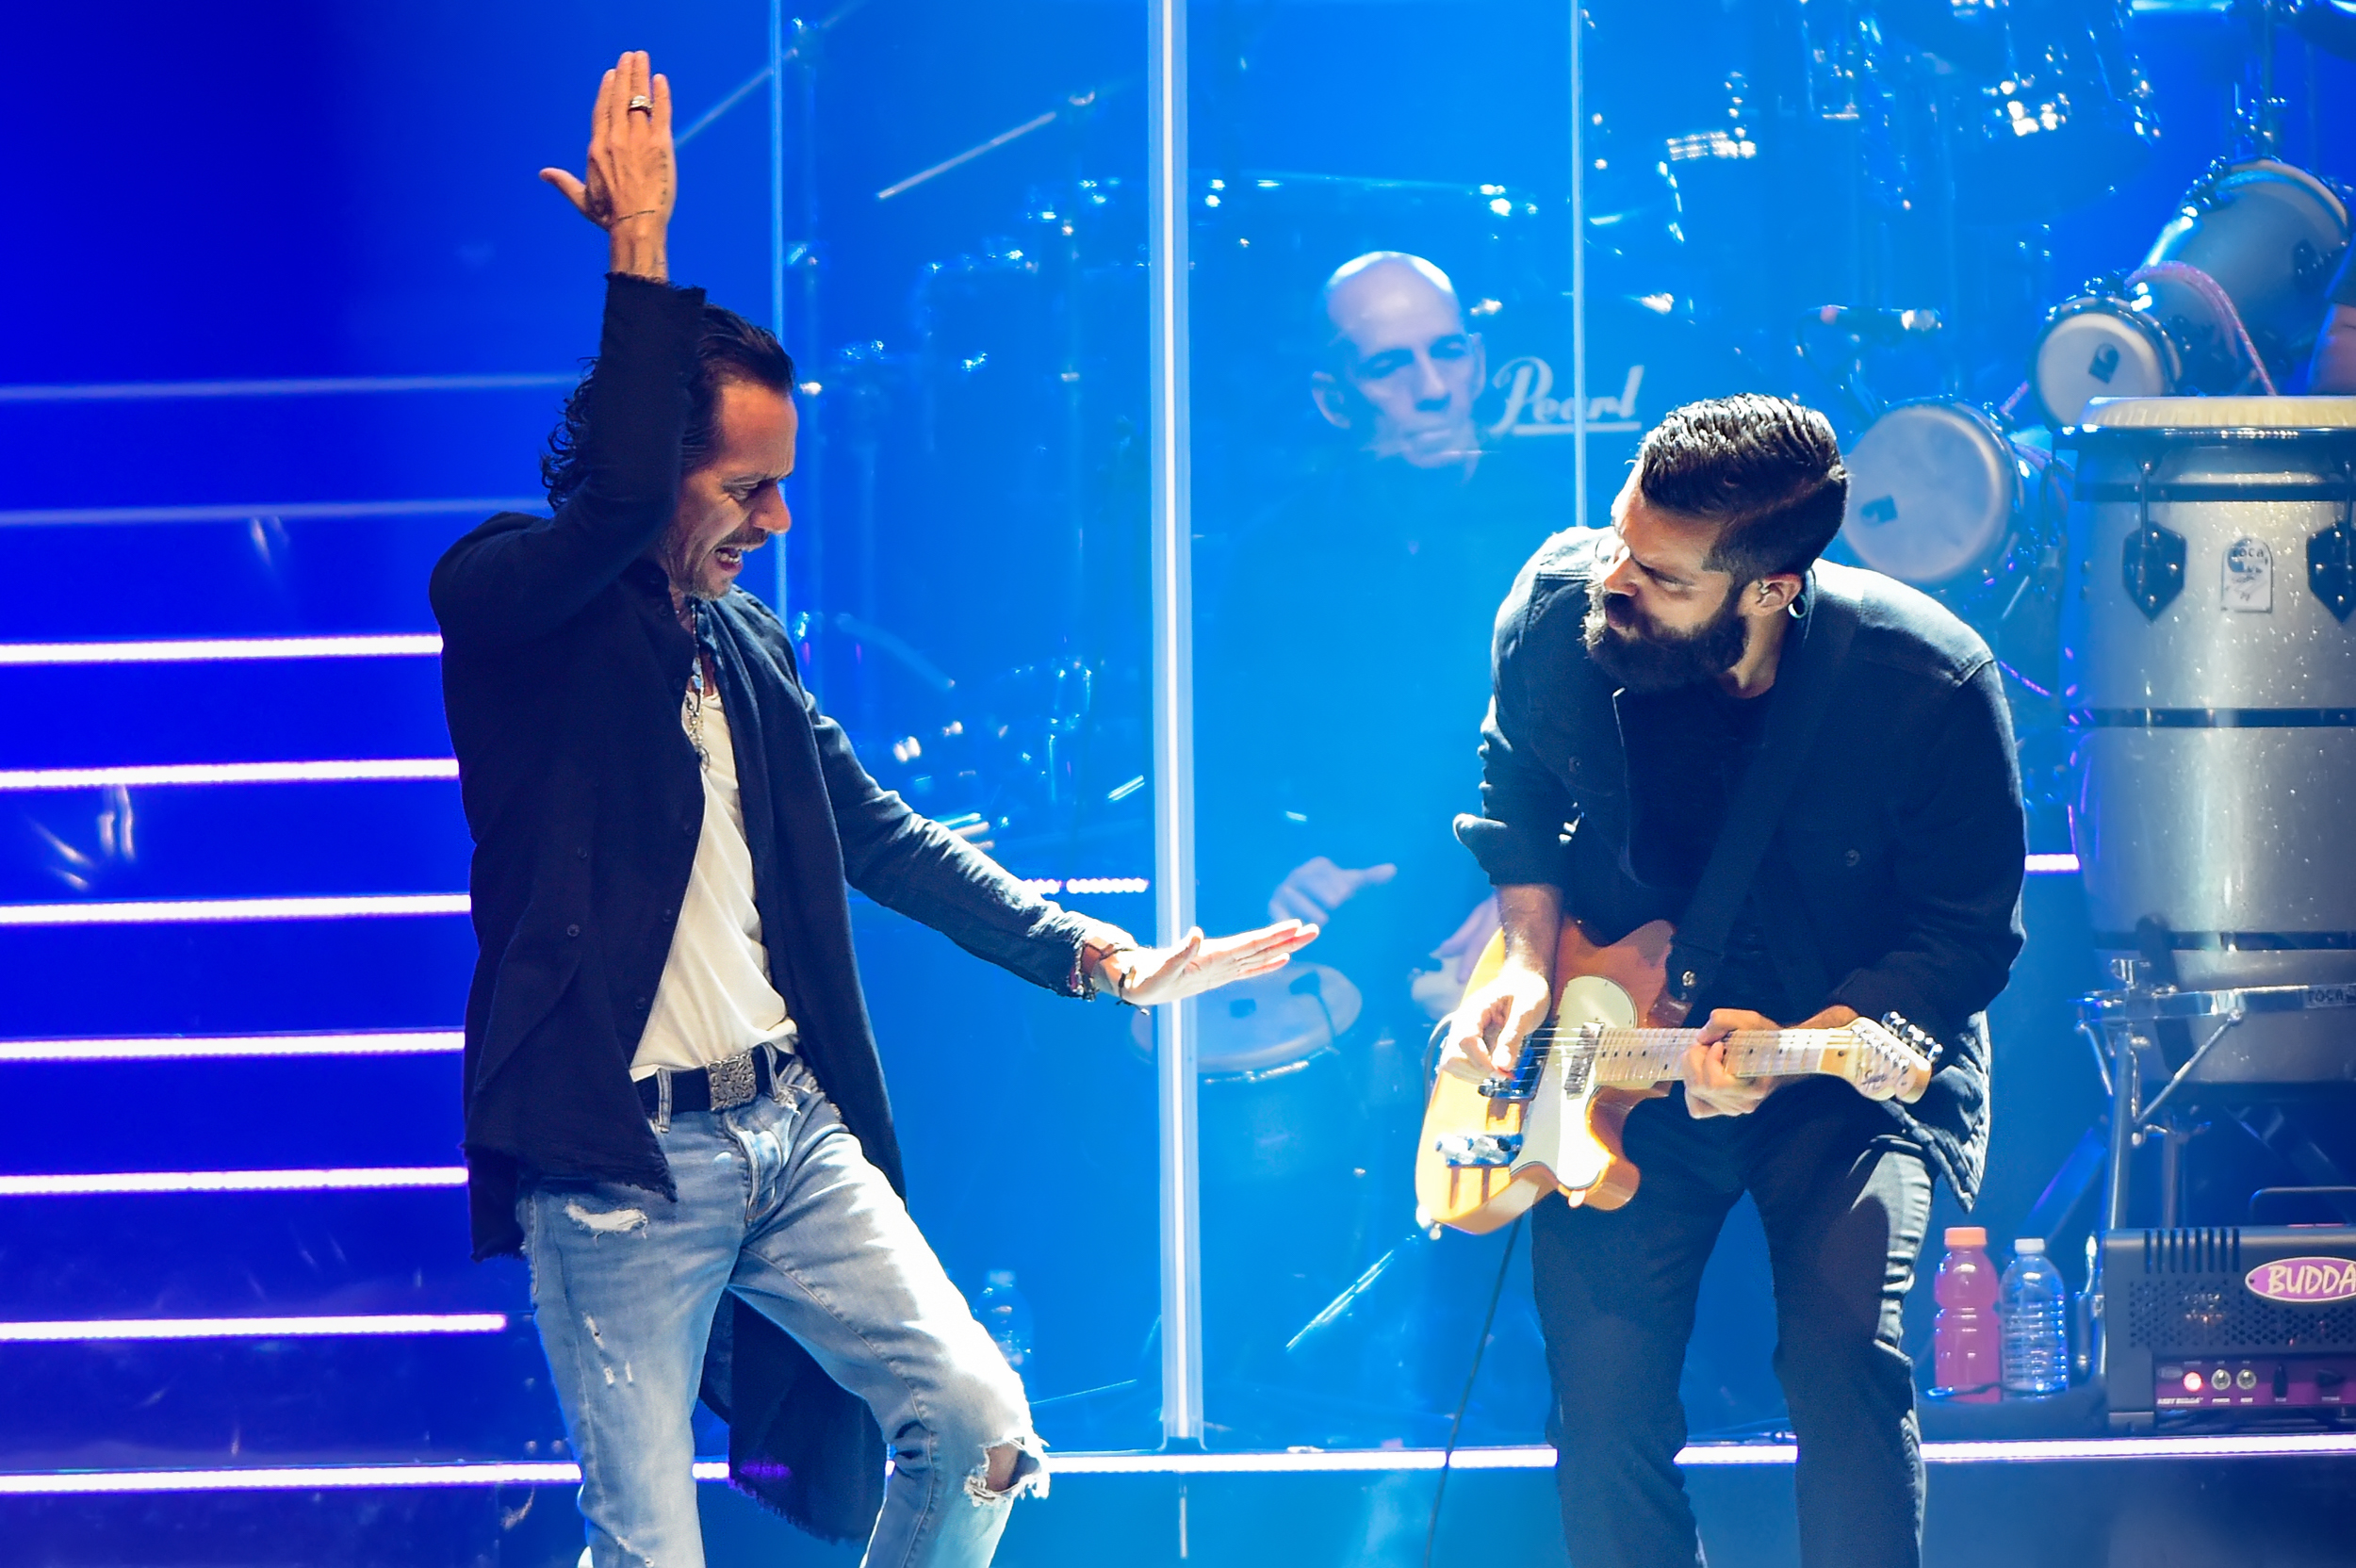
(2219, 415)
(1263, 1025)
(1934, 488)
(2099, 349)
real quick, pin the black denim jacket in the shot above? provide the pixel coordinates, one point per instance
(562, 673)
(1898, 860)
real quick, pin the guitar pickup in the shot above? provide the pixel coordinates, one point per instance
(1478, 1148)
(1518, 1090)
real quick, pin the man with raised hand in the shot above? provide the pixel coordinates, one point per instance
(675, 1108)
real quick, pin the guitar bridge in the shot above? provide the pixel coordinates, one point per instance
(1520, 1089)
(1478, 1148)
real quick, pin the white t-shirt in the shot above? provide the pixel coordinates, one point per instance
(715, 1000)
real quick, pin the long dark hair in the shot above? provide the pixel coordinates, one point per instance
(731, 348)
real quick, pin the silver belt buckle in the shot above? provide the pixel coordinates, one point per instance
(733, 1081)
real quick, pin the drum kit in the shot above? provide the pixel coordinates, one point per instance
(1960, 501)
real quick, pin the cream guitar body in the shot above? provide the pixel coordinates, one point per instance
(1489, 1150)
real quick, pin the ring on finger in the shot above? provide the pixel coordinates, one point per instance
(641, 103)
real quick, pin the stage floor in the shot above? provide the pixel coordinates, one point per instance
(2226, 1501)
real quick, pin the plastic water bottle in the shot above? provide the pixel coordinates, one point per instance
(2035, 1306)
(1007, 1316)
(1963, 1365)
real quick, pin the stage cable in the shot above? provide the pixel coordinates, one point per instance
(1481, 1348)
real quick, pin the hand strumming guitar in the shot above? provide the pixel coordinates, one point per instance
(1485, 1034)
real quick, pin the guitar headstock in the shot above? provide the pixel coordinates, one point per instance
(1894, 1059)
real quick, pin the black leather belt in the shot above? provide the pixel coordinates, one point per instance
(723, 1085)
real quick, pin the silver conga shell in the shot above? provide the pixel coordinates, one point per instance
(2211, 668)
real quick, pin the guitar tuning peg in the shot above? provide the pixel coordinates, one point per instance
(1898, 1024)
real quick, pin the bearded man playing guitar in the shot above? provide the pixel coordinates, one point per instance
(1810, 768)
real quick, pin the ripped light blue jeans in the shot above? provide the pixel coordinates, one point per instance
(777, 1204)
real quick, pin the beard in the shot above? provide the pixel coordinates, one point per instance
(690, 564)
(1644, 656)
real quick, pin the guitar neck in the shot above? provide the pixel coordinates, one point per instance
(1641, 1058)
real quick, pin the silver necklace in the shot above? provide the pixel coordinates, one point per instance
(696, 710)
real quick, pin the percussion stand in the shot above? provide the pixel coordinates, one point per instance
(2257, 111)
(2124, 1027)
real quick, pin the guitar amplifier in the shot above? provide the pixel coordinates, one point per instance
(2233, 1323)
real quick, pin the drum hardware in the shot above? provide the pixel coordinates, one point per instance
(2331, 556)
(1023, 754)
(2126, 1030)
(2071, 118)
(1857, 326)
(2239, 350)
(1075, 110)
(2153, 560)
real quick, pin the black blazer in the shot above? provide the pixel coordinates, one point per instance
(562, 673)
(1898, 860)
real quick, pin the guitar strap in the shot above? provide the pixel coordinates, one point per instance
(1806, 676)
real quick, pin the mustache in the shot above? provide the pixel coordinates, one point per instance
(749, 541)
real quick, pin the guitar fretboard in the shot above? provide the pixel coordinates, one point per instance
(1639, 1057)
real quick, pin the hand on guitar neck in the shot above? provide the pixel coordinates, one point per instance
(1711, 1087)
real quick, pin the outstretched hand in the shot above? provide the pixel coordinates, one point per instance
(631, 178)
(1149, 976)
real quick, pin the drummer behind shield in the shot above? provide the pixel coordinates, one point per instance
(1349, 645)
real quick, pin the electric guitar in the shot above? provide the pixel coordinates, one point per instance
(1491, 1150)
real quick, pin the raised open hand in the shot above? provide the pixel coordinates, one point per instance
(633, 174)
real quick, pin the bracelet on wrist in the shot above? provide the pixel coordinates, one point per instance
(1095, 959)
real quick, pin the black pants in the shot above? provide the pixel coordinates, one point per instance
(1844, 1198)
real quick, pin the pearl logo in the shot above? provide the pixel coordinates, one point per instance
(2304, 1281)
(1532, 408)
